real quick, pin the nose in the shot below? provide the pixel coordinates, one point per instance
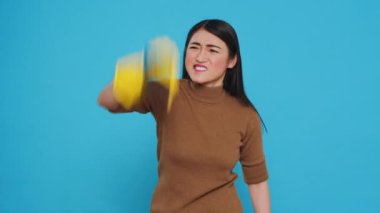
(201, 56)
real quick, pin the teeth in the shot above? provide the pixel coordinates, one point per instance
(200, 68)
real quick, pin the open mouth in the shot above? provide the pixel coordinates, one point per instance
(200, 68)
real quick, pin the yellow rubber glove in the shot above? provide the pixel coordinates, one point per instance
(158, 63)
(129, 79)
(161, 65)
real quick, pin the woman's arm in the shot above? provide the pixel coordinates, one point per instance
(260, 197)
(107, 100)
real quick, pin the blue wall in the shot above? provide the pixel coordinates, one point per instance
(312, 68)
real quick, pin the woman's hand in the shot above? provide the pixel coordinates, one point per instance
(107, 100)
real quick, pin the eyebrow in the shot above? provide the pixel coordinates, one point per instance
(207, 45)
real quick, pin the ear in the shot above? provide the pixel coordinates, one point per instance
(232, 62)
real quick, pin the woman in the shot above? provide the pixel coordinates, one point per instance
(210, 127)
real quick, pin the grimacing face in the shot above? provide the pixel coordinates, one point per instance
(207, 59)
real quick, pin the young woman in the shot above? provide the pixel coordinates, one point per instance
(211, 126)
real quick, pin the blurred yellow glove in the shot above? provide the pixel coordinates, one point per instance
(161, 65)
(129, 79)
(158, 63)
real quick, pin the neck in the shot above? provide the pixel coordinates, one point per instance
(200, 92)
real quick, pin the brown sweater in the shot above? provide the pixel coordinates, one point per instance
(200, 141)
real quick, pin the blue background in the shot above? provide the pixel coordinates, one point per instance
(311, 68)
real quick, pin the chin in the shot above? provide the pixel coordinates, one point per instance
(197, 80)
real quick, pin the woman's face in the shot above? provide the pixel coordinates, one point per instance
(207, 59)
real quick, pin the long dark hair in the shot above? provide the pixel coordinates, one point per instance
(233, 80)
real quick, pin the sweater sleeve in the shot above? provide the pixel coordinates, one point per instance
(252, 156)
(153, 99)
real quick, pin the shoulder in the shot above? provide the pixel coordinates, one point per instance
(245, 114)
(239, 107)
(249, 115)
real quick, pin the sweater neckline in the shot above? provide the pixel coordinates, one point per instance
(206, 94)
